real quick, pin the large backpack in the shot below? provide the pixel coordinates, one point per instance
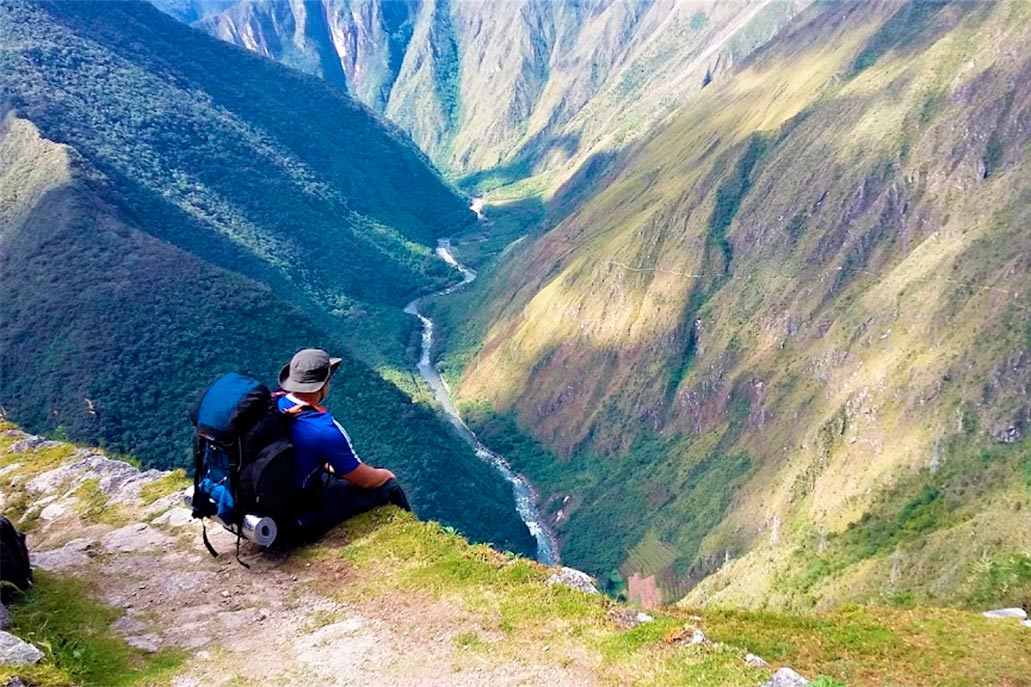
(15, 570)
(243, 456)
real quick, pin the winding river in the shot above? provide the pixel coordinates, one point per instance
(523, 491)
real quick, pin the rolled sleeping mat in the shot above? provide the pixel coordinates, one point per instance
(256, 528)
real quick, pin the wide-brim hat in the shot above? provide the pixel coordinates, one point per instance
(308, 371)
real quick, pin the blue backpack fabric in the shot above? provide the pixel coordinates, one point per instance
(243, 456)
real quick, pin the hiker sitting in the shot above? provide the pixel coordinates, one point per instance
(333, 483)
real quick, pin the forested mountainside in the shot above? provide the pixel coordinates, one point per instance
(787, 350)
(498, 92)
(172, 208)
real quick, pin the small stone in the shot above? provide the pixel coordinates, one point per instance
(225, 594)
(786, 677)
(1026, 623)
(753, 660)
(175, 517)
(574, 579)
(1018, 613)
(263, 614)
(697, 637)
(15, 652)
(642, 618)
(148, 643)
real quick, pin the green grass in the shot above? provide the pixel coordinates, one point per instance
(174, 481)
(391, 555)
(94, 506)
(58, 616)
(919, 505)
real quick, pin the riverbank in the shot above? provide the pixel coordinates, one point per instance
(524, 494)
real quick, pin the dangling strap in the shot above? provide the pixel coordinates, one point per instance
(207, 542)
(239, 536)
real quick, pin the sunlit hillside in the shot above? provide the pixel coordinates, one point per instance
(789, 345)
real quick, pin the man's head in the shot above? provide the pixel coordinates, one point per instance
(308, 373)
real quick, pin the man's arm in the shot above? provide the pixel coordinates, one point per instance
(341, 457)
(368, 477)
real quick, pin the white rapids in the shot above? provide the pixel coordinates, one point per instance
(523, 491)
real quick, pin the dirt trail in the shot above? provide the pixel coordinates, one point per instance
(273, 624)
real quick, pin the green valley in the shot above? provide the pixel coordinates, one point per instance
(163, 223)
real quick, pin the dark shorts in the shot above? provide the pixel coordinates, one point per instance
(336, 501)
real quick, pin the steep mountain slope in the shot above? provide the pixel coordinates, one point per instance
(159, 228)
(126, 595)
(109, 334)
(498, 92)
(791, 338)
(235, 161)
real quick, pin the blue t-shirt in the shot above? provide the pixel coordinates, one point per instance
(318, 440)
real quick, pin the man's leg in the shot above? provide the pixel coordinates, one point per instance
(347, 500)
(339, 500)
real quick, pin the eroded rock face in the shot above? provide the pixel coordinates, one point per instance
(119, 481)
(15, 652)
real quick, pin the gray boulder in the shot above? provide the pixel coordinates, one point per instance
(758, 662)
(574, 579)
(15, 652)
(786, 677)
(5, 617)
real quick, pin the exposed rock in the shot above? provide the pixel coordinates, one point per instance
(786, 677)
(176, 517)
(74, 554)
(697, 637)
(574, 579)
(117, 480)
(15, 652)
(1018, 613)
(127, 625)
(1026, 623)
(55, 510)
(5, 617)
(30, 443)
(134, 538)
(9, 468)
(753, 660)
(627, 618)
(148, 643)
